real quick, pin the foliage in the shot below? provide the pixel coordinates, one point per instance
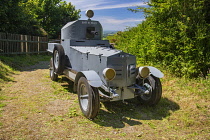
(36, 17)
(15, 20)
(52, 14)
(175, 35)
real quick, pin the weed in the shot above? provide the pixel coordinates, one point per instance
(2, 105)
(76, 101)
(2, 97)
(57, 118)
(84, 121)
(151, 125)
(60, 90)
(72, 113)
(122, 134)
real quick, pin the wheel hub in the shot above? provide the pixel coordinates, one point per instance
(84, 97)
(56, 59)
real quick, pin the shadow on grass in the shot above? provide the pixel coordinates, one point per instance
(10, 64)
(69, 86)
(117, 114)
(26, 62)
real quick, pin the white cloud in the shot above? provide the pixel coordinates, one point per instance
(124, 5)
(84, 5)
(111, 20)
(110, 23)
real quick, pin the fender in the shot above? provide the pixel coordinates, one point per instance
(156, 72)
(92, 77)
(51, 47)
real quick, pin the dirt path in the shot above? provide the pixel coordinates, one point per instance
(32, 104)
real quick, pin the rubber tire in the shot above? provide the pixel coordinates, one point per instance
(90, 106)
(58, 59)
(53, 75)
(155, 93)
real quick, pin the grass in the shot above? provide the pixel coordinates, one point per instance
(18, 61)
(5, 72)
(11, 65)
(182, 113)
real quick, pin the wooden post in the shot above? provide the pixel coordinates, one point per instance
(7, 43)
(38, 44)
(1, 45)
(26, 39)
(21, 43)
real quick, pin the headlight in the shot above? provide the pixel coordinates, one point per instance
(144, 72)
(89, 13)
(109, 74)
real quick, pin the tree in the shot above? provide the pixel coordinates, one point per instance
(52, 14)
(176, 35)
(183, 36)
(13, 18)
(36, 17)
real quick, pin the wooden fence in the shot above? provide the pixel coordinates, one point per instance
(22, 44)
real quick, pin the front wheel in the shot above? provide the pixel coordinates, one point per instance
(155, 91)
(88, 98)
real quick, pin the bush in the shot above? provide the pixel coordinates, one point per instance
(175, 35)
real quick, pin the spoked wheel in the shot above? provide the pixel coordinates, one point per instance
(88, 98)
(53, 75)
(155, 91)
(58, 59)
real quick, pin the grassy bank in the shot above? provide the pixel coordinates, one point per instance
(12, 64)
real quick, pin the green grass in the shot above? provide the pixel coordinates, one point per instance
(18, 61)
(73, 112)
(10, 65)
(182, 113)
(5, 72)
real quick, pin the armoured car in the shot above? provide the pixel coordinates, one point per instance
(99, 71)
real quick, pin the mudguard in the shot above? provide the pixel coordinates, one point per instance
(92, 77)
(51, 47)
(156, 72)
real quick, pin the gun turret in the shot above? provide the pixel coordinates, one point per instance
(83, 29)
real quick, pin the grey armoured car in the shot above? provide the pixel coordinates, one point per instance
(99, 71)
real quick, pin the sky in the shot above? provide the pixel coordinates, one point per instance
(112, 14)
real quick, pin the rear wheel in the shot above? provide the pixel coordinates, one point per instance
(88, 98)
(58, 59)
(155, 91)
(53, 75)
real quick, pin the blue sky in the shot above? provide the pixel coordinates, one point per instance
(112, 14)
